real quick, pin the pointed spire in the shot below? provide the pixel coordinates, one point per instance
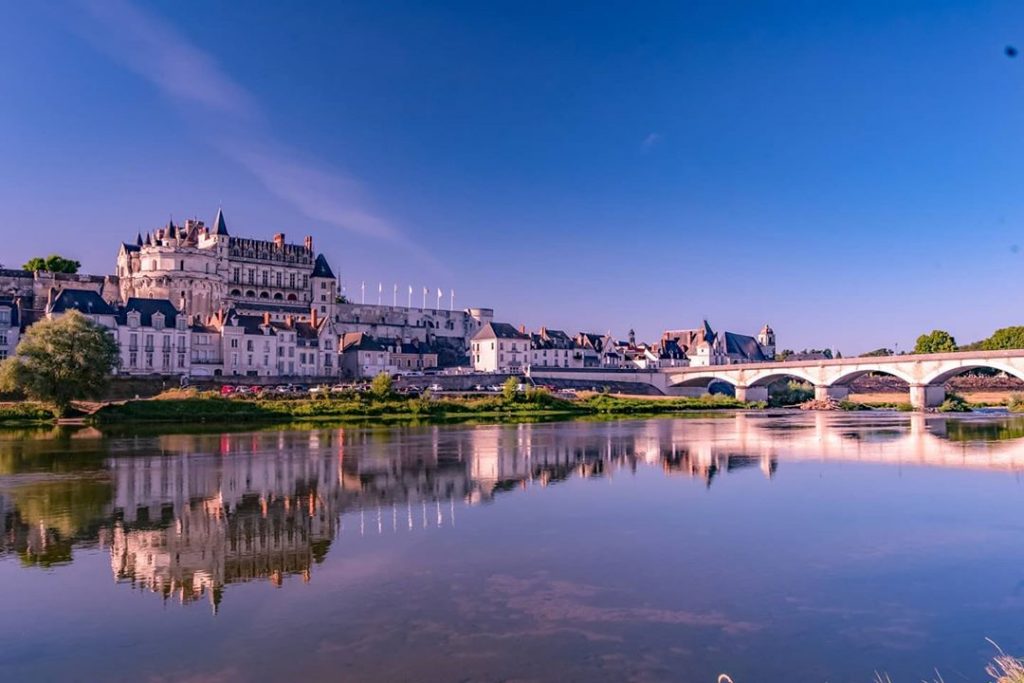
(138, 240)
(172, 231)
(149, 241)
(219, 226)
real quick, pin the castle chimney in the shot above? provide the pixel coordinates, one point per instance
(543, 331)
(279, 240)
(309, 242)
(266, 318)
(522, 329)
(289, 321)
(312, 316)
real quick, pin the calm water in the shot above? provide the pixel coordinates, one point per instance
(797, 548)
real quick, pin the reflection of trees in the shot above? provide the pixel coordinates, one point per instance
(184, 515)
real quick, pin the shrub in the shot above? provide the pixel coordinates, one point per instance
(381, 386)
(509, 389)
(954, 403)
(1016, 403)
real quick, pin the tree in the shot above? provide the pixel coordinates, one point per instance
(60, 360)
(381, 385)
(52, 264)
(509, 389)
(878, 353)
(1005, 338)
(936, 341)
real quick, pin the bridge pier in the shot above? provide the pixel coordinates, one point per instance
(751, 394)
(924, 396)
(836, 392)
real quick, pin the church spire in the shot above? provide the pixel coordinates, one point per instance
(138, 240)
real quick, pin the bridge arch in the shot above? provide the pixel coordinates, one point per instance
(770, 376)
(845, 377)
(944, 375)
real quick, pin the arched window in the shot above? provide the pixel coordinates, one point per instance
(251, 294)
(264, 295)
(236, 292)
(291, 297)
(278, 296)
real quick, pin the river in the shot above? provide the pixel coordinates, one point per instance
(808, 547)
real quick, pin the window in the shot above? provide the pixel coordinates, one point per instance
(149, 359)
(234, 359)
(133, 342)
(248, 345)
(149, 342)
(279, 276)
(5, 315)
(291, 280)
(181, 265)
(181, 360)
(234, 343)
(133, 359)
(266, 360)
(252, 276)
(235, 275)
(305, 282)
(266, 278)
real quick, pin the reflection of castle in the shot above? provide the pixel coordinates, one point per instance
(186, 515)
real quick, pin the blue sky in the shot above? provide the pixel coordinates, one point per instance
(849, 172)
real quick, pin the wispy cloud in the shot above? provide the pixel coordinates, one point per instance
(152, 48)
(650, 141)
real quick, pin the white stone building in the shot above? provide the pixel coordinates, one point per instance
(153, 338)
(500, 347)
(10, 326)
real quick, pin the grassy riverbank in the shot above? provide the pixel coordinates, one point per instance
(208, 408)
(25, 413)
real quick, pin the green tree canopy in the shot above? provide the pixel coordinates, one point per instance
(877, 353)
(936, 341)
(509, 389)
(52, 264)
(61, 360)
(1005, 338)
(381, 385)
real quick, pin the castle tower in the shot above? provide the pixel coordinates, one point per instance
(766, 338)
(324, 288)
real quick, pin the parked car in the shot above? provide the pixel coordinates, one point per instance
(496, 388)
(478, 387)
(227, 390)
(339, 388)
(436, 387)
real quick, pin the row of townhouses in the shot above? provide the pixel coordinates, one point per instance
(195, 300)
(501, 347)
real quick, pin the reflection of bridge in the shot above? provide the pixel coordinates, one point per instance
(926, 374)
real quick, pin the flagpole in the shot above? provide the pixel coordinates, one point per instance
(409, 302)
(451, 304)
(424, 297)
(363, 288)
(380, 292)
(394, 297)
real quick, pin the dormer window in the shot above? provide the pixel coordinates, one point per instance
(134, 319)
(158, 321)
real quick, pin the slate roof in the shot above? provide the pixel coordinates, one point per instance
(279, 307)
(130, 247)
(6, 301)
(499, 331)
(146, 308)
(252, 324)
(84, 300)
(357, 341)
(552, 339)
(744, 345)
(16, 272)
(219, 226)
(321, 268)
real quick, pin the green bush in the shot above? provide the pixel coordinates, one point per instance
(954, 403)
(25, 411)
(1016, 403)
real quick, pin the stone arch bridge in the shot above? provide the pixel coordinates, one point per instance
(926, 374)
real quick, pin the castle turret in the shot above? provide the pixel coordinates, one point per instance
(766, 338)
(324, 288)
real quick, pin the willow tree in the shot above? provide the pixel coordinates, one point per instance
(61, 360)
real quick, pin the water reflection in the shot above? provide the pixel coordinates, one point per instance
(185, 515)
